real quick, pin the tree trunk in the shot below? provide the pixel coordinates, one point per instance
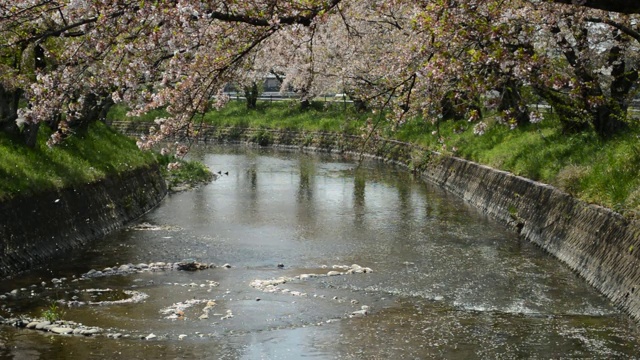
(30, 134)
(251, 95)
(511, 102)
(451, 107)
(570, 117)
(609, 119)
(305, 105)
(94, 108)
(358, 103)
(9, 101)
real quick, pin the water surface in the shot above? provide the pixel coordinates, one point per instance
(447, 281)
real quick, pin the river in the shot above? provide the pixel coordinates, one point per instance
(415, 273)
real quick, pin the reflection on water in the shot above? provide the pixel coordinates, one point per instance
(447, 281)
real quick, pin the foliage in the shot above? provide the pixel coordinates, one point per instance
(186, 173)
(53, 312)
(263, 138)
(71, 60)
(120, 112)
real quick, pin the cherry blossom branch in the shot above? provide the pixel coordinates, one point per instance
(625, 29)
(231, 17)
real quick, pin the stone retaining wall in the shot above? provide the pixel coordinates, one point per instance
(597, 243)
(36, 229)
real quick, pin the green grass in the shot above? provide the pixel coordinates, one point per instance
(82, 158)
(321, 116)
(191, 173)
(604, 172)
(53, 312)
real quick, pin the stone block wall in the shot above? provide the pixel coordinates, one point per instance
(34, 230)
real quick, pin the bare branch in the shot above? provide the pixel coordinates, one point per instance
(621, 6)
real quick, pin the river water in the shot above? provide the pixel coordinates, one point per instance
(435, 278)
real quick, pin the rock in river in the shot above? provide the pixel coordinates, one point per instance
(42, 325)
(61, 330)
(89, 332)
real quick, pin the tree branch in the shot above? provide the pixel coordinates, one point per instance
(625, 29)
(620, 6)
(286, 20)
(305, 20)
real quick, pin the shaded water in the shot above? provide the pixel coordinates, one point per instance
(447, 282)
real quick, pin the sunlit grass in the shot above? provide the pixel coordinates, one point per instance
(286, 115)
(189, 172)
(82, 158)
(600, 171)
(321, 116)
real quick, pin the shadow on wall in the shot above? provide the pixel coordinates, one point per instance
(35, 229)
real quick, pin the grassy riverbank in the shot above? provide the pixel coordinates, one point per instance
(82, 158)
(188, 175)
(604, 172)
(321, 116)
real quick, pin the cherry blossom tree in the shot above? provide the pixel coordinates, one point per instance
(69, 60)
(600, 77)
(587, 71)
(150, 54)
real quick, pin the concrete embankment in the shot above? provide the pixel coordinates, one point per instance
(597, 243)
(34, 230)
